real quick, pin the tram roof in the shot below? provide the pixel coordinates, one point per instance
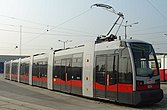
(133, 40)
(114, 42)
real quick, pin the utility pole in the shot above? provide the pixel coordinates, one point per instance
(20, 39)
(64, 42)
(128, 25)
(125, 29)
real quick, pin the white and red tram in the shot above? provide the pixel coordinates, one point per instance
(111, 70)
(162, 63)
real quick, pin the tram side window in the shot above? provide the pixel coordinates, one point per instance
(110, 67)
(63, 65)
(77, 69)
(35, 69)
(7, 68)
(68, 68)
(22, 70)
(125, 69)
(27, 68)
(57, 69)
(101, 69)
(42, 68)
(14, 68)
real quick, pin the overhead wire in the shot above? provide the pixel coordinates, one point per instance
(10, 17)
(60, 34)
(158, 11)
(40, 34)
(65, 30)
(23, 20)
(29, 21)
(77, 31)
(28, 32)
(151, 33)
(58, 25)
(146, 29)
(62, 23)
(160, 43)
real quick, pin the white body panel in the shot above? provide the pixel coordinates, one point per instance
(107, 46)
(4, 75)
(50, 71)
(10, 69)
(30, 70)
(87, 78)
(18, 75)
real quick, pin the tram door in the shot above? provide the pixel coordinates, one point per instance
(66, 75)
(106, 76)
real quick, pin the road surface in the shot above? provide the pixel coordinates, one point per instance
(18, 96)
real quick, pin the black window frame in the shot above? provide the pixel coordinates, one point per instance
(40, 67)
(125, 67)
(15, 67)
(24, 68)
(155, 59)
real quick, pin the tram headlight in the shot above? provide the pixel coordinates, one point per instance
(139, 83)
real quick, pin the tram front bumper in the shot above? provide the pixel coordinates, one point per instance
(147, 97)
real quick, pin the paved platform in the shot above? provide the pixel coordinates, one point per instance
(18, 96)
(10, 104)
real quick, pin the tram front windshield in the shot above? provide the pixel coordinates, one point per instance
(144, 59)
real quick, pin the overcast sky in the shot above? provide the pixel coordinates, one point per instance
(44, 22)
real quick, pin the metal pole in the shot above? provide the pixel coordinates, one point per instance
(64, 44)
(113, 26)
(126, 25)
(125, 29)
(20, 38)
(125, 32)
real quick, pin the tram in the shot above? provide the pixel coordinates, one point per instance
(162, 63)
(116, 70)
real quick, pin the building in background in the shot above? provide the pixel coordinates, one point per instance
(4, 58)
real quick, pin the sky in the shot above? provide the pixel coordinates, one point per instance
(40, 24)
